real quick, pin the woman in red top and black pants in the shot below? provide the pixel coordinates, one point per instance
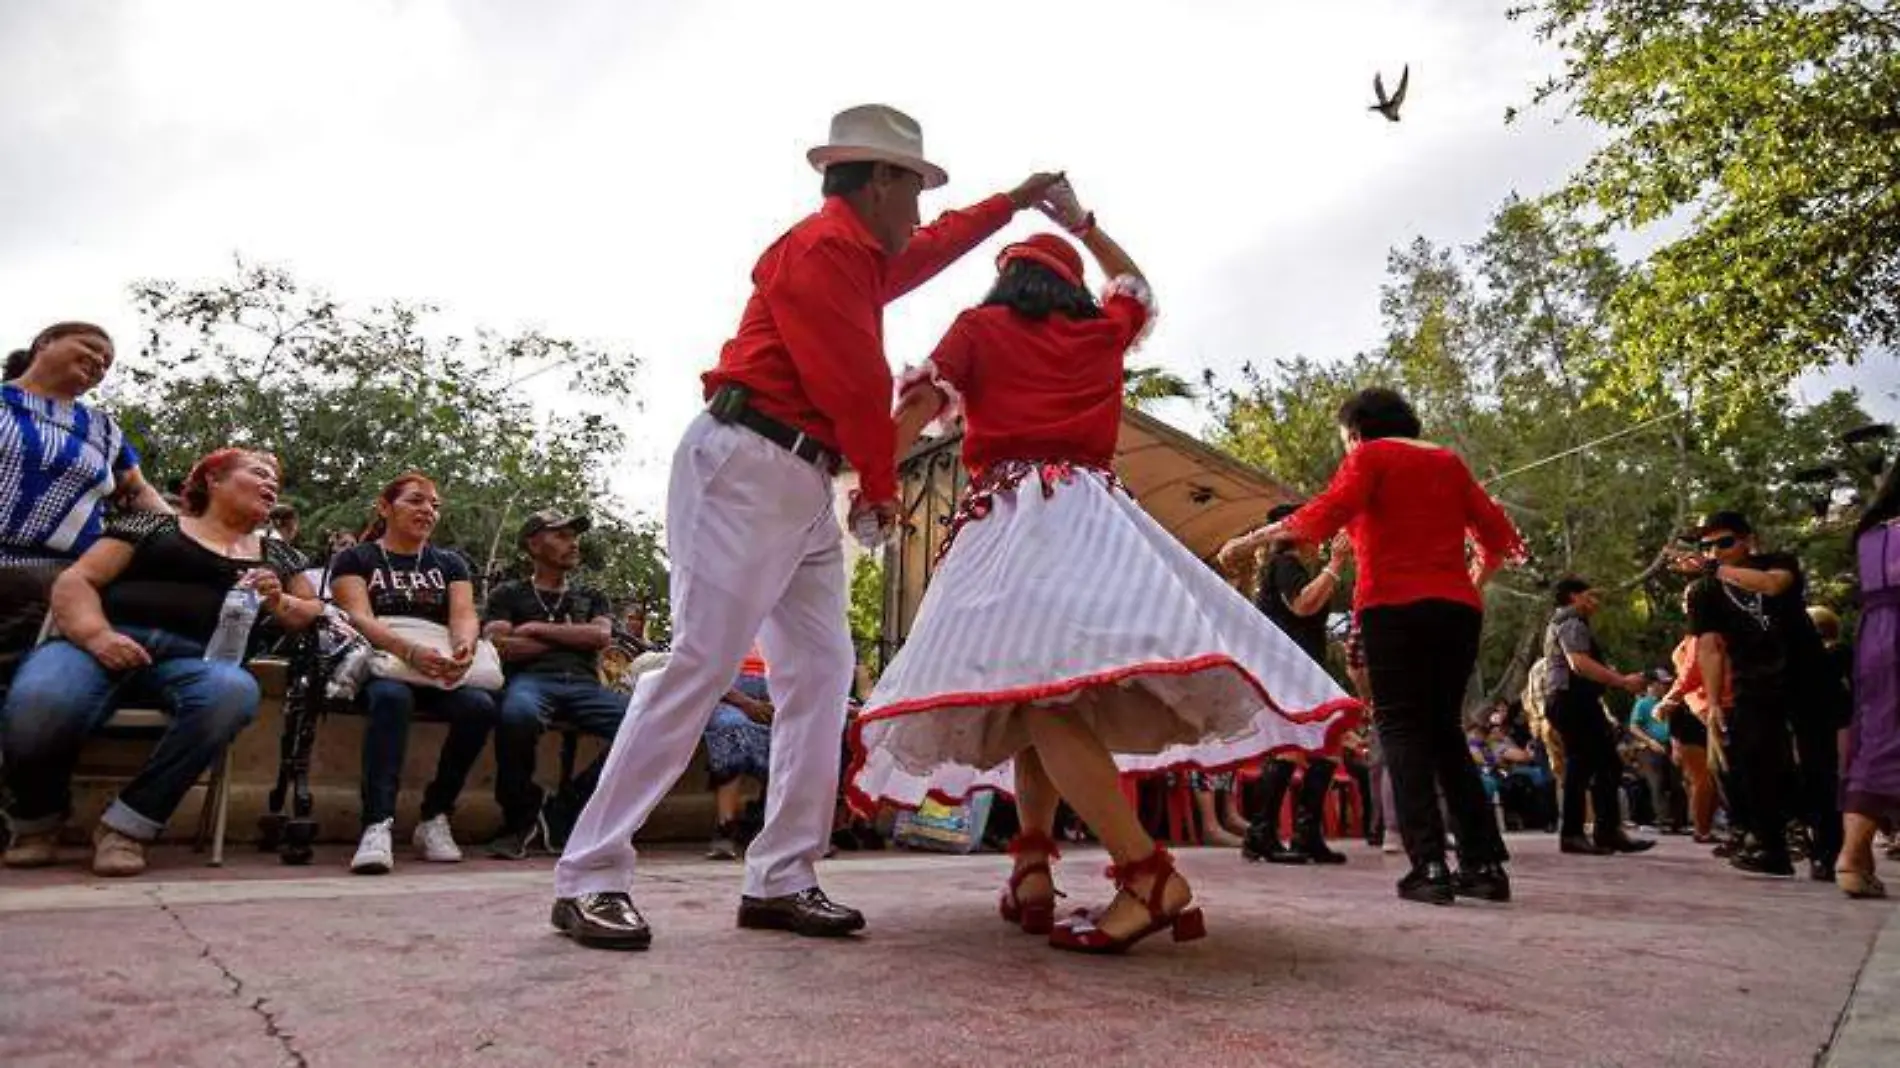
(1419, 613)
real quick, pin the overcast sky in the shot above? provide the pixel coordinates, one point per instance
(609, 170)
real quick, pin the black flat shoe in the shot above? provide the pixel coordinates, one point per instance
(1486, 882)
(1582, 846)
(1316, 850)
(1759, 863)
(1626, 844)
(809, 913)
(1429, 884)
(1270, 849)
(602, 921)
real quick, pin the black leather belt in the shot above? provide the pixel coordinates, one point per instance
(736, 411)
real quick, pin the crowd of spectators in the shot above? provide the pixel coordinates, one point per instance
(113, 594)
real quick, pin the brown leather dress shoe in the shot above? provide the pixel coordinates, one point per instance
(602, 921)
(809, 913)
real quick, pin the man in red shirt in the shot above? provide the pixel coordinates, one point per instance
(753, 537)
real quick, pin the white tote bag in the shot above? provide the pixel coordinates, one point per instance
(483, 674)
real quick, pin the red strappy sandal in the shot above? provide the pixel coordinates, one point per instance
(1081, 935)
(1034, 917)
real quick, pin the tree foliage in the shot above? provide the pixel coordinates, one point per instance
(1773, 126)
(1145, 387)
(1502, 348)
(348, 398)
(866, 610)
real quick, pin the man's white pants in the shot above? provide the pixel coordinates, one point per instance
(755, 549)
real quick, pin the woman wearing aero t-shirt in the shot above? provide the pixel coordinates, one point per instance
(1409, 506)
(395, 572)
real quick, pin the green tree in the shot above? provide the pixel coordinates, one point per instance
(867, 610)
(348, 398)
(1773, 127)
(1145, 387)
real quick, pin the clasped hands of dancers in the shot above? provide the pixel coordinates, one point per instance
(1065, 638)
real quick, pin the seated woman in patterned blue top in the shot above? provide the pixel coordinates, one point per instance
(60, 462)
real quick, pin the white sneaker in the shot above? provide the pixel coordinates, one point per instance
(435, 843)
(1390, 847)
(373, 854)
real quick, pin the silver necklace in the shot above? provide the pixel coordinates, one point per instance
(1749, 602)
(543, 601)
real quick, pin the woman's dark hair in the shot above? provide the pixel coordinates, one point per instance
(1884, 506)
(1033, 291)
(20, 359)
(1274, 515)
(377, 524)
(842, 179)
(1379, 413)
(1568, 589)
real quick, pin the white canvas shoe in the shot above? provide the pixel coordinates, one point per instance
(435, 843)
(374, 856)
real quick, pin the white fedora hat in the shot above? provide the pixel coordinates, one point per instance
(879, 134)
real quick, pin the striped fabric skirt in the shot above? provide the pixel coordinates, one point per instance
(1058, 590)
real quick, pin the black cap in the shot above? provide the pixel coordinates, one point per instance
(1733, 522)
(1281, 511)
(553, 519)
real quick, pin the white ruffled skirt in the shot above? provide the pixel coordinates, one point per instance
(1065, 592)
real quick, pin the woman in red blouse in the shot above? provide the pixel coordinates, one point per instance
(1067, 638)
(1409, 506)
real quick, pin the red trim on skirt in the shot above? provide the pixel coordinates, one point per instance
(1027, 695)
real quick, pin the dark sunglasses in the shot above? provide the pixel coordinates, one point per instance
(1721, 544)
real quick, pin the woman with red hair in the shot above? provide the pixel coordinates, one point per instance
(401, 591)
(135, 615)
(1066, 637)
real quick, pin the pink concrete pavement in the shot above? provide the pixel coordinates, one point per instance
(1663, 959)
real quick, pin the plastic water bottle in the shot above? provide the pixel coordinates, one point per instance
(233, 635)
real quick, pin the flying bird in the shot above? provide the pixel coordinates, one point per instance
(1389, 105)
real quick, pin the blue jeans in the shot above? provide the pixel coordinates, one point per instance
(62, 695)
(390, 705)
(529, 705)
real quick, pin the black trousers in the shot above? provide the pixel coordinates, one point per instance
(1368, 801)
(1309, 807)
(1419, 656)
(1817, 749)
(1591, 768)
(1761, 760)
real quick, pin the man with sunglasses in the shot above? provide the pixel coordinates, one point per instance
(1754, 603)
